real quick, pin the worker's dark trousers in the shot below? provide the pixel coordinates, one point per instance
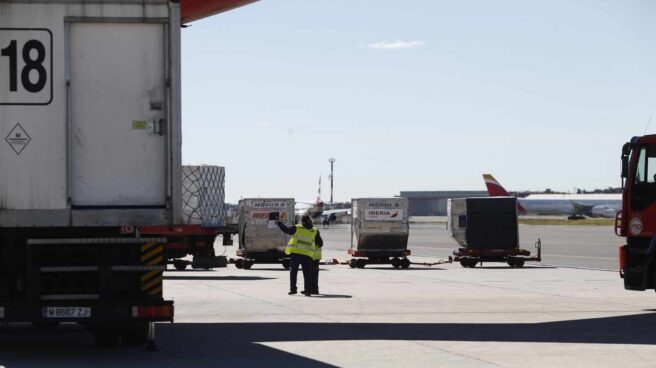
(315, 277)
(296, 260)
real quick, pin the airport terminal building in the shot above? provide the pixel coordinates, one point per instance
(433, 203)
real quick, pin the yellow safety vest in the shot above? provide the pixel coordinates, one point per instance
(302, 242)
(317, 254)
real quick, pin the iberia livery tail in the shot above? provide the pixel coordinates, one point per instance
(494, 189)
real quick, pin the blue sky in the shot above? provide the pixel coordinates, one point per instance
(417, 94)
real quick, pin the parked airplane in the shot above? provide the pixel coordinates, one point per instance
(574, 205)
(319, 213)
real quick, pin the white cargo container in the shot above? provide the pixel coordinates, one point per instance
(90, 113)
(379, 230)
(260, 239)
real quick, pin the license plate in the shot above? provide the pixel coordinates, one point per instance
(66, 312)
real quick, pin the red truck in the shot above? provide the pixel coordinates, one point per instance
(637, 220)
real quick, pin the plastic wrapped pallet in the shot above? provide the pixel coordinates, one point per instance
(380, 224)
(203, 195)
(484, 223)
(258, 232)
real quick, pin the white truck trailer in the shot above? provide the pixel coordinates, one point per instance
(90, 161)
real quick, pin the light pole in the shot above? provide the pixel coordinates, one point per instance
(332, 162)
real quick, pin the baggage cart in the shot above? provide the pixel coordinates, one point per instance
(487, 230)
(379, 232)
(260, 238)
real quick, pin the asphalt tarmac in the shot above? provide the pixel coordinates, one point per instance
(441, 316)
(562, 245)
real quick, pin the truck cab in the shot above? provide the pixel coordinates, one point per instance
(637, 220)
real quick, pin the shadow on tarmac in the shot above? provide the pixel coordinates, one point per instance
(240, 344)
(513, 268)
(219, 278)
(332, 296)
(404, 269)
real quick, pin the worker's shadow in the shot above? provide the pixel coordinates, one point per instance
(332, 296)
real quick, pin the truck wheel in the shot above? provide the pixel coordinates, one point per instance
(464, 263)
(106, 335)
(286, 263)
(248, 265)
(239, 263)
(511, 262)
(472, 263)
(519, 262)
(352, 263)
(180, 265)
(405, 263)
(134, 334)
(360, 263)
(396, 262)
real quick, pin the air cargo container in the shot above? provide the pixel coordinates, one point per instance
(203, 203)
(260, 238)
(379, 232)
(90, 163)
(486, 228)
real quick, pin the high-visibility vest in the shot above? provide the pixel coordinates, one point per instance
(317, 254)
(302, 242)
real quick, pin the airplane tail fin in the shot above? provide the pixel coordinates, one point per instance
(495, 189)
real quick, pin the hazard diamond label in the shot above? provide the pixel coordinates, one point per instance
(18, 139)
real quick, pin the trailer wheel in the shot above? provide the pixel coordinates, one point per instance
(134, 334)
(468, 262)
(179, 265)
(519, 262)
(239, 263)
(286, 263)
(396, 262)
(405, 263)
(360, 263)
(511, 262)
(106, 335)
(352, 263)
(248, 265)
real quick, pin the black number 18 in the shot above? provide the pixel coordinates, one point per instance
(30, 64)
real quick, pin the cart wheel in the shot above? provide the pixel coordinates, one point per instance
(286, 263)
(179, 265)
(511, 262)
(519, 262)
(248, 265)
(405, 263)
(239, 263)
(360, 263)
(352, 263)
(396, 262)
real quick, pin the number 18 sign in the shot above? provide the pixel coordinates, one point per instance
(25, 66)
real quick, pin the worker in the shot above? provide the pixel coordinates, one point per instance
(301, 250)
(316, 260)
